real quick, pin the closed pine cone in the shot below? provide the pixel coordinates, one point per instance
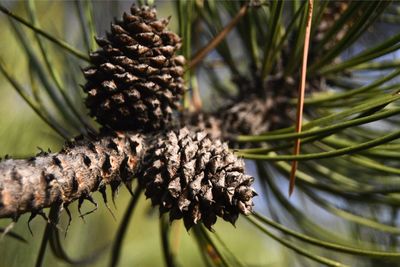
(135, 79)
(193, 178)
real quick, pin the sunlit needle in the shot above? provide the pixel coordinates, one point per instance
(300, 103)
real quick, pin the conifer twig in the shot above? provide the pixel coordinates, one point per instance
(82, 167)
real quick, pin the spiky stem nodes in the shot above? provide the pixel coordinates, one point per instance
(82, 167)
(185, 173)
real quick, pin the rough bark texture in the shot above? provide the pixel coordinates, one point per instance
(85, 166)
(82, 167)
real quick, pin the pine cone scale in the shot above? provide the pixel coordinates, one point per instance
(196, 179)
(135, 80)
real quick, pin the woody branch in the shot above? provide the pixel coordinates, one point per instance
(82, 167)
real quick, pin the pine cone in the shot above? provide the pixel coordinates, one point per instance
(191, 177)
(250, 116)
(135, 80)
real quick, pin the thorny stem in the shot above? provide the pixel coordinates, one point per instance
(88, 165)
(82, 167)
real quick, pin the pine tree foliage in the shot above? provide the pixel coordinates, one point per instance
(172, 116)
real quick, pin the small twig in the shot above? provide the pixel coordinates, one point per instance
(196, 58)
(300, 103)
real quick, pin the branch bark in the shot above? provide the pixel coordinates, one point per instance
(82, 167)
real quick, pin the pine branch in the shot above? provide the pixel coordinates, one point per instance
(82, 167)
(139, 92)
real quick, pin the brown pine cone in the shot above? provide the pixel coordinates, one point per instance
(135, 79)
(193, 178)
(250, 116)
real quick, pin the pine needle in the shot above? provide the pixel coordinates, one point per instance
(300, 103)
(217, 39)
